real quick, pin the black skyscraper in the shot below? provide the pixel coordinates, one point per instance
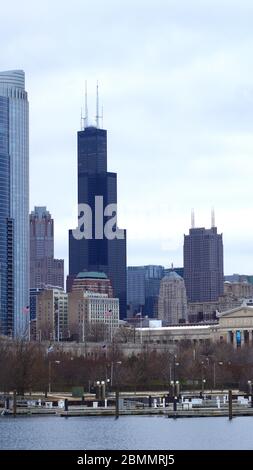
(97, 253)
(203, 265)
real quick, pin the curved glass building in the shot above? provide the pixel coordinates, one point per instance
(4, 209)
(14, 202)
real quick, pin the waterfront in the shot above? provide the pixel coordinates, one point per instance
(128, 432)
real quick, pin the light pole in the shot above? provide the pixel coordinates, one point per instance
(250, 387)
(203, 385)
(50, 374)
(107, 386)
(112, 371)
(172, 384)
(177, 388)
(83, 331)
(174, 375)
(220, 363)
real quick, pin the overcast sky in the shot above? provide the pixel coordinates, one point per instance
(176, 83)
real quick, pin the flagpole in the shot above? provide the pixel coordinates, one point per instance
(83, 328)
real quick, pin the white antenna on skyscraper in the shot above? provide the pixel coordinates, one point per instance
(192, 219)
(86, 118)
(97, 109)
(212, 218)
(102, 117)
(81, 123)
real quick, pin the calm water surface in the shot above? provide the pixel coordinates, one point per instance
(128, 432)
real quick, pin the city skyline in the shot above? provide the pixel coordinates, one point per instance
(188, 102)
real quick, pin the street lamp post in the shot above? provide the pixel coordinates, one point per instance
(107, 385)
(112, 371)
(175, 382)
(212, 362)
(220, 363)
(250, 387)
(50, 374)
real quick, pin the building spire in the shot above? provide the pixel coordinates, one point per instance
(102, 117)
(192, 219)
(97, 108)
(212, 218)
(81, 120)
(86, 118)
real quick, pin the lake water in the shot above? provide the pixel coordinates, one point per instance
(128, 432)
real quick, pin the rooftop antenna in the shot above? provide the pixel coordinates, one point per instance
(102, 117)
(97, 109)
(192, 219)
(212, 218)
(86, 118)
(81, 120)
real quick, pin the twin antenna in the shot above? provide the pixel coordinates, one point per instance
(193, 218)
(85, 118)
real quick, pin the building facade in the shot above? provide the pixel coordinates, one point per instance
(93, 282)
(92, 316)
(239, 290)
(5, 318)
(14, 129)
(203, 265)
(90, 249)
(136, 293)
(172, 302)
(44, 269)
(234, 326)
(52, 315)
(143, 289)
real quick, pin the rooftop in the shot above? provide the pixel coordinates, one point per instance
(91, 275)
(172, 276)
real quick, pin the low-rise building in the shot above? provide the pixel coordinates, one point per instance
(52, 315)
(234, 326)
(92, 316)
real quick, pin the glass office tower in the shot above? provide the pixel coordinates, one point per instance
(4, 210)
(14, 106)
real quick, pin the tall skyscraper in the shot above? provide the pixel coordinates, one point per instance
(5, 323)
(97, 189)
(14, 202)
(44, 269)
(172, 302)
(203, 265)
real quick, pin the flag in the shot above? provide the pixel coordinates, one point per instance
(50, 349)
(26, 309)
(108, 313)
(138, 314)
